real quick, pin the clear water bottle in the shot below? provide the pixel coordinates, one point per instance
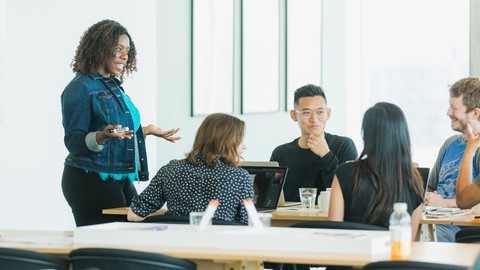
(400, 232)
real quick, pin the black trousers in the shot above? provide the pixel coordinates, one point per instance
(87, 194)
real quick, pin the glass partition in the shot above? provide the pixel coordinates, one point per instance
(260, 56)
(212, 56)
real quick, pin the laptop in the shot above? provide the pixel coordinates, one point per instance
(267, 186)
(283, 203)
(258, 164)
(424, 174)
(281, 200)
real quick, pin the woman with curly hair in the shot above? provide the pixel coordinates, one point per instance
(103, 133)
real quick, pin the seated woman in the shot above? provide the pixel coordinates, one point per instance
(365, 190)
(210, 171)
(468, 191)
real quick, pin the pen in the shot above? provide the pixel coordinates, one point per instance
(211, 208)
(159, 228)
(476, 219)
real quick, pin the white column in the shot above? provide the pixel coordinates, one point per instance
(475, 38)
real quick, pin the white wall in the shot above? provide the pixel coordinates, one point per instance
(474, 38)
(36, 47)
(38, 40)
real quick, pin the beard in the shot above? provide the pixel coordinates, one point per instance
(459, 125)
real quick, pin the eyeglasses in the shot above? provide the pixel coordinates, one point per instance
(307, 114)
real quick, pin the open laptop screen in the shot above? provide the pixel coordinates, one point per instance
(424, 174)
(267, 185)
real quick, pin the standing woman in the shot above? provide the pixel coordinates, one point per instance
(103, 163)
(210, 171)
(365, 190)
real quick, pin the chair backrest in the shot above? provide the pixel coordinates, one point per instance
(171, 219)
(11, 258)
(410, 265)
(468, 235)
(326, 224)
(122, 259)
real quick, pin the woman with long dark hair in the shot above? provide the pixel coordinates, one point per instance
(366, 189)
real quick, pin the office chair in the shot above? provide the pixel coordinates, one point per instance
(345, 225)
(325, 224)
(122, 259)
(468, 235)
(11, 258)
(410, 265)
(171, 219)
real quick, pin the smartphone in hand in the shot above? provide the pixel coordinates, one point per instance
(114, 130)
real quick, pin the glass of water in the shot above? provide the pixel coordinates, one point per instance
(307, 197)
(196, 217)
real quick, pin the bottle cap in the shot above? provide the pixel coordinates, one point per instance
(400, 206)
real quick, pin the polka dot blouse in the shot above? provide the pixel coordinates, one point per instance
(187, 188)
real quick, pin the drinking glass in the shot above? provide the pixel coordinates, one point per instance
(307, 197)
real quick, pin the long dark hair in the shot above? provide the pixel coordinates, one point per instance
(386, 162)
(97, 46)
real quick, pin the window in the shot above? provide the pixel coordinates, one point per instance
(304, 30)
(260, 56)
(412, 51)
(212, 60)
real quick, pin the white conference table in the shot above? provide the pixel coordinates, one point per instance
(467, 218)
(62, 243)
(282, 217)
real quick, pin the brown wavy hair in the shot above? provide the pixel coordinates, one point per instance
(470, 89)
(97, 46)
(218, 137)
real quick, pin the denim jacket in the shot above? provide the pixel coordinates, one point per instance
(89, 103)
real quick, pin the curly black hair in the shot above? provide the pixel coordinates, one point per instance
(97, 46)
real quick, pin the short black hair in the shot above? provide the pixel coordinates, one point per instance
(308, 90)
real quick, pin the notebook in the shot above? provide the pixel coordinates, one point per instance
(267, 186)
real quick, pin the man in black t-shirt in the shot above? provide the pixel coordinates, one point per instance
(312, 158)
